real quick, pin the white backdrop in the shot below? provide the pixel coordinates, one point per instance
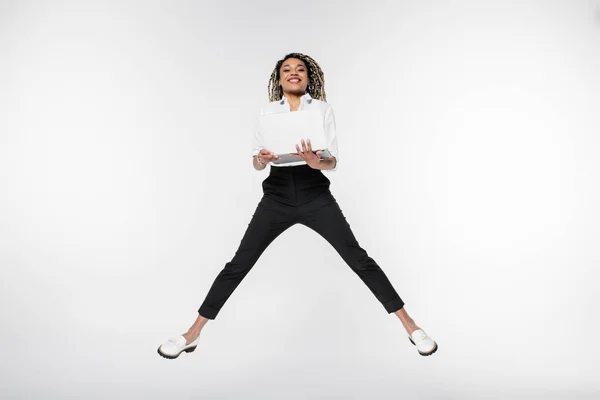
(468, 136)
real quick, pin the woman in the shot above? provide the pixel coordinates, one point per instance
(297, 192)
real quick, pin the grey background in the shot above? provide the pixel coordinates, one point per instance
(126, 185)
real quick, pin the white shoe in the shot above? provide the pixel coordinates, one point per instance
(425, 345)
(173, 347)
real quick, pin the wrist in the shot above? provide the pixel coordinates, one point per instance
(316, 165)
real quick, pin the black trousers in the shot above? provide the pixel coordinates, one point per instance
(298, 194)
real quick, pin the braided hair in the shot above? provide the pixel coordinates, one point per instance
(316, 87)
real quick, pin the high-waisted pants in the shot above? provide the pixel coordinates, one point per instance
(298, 194)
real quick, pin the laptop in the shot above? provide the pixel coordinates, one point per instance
(282, 131)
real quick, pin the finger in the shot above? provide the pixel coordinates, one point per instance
(304, 149)
(301, 153)
(309, 145)
(319, 154)
(266, 154)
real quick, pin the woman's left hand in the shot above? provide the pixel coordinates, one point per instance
(306, 154)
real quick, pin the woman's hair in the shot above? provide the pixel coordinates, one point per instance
(316, 88)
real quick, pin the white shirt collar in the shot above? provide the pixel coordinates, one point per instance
(306, 97)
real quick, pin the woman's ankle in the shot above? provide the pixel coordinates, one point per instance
(191, 335)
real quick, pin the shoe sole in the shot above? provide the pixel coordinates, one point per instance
(170, 357)
(425, 354)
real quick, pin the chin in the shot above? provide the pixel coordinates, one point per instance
(297, 92)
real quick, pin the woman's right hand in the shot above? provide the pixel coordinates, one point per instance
(265, 156)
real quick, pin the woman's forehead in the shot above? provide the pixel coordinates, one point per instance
(292, 62)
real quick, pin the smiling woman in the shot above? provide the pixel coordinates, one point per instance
(297, 192)
(294, 78)
(297, 83)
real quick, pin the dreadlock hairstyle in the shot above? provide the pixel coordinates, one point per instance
(316, 88)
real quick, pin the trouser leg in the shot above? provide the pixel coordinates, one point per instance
(270, 219)
(328, 221)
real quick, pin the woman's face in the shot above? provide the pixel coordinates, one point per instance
(293, 76)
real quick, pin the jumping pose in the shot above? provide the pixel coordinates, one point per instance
(297, 192)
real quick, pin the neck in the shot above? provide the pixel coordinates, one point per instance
(293, 99)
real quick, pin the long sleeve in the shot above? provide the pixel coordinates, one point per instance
(257, 143)
(331, 137)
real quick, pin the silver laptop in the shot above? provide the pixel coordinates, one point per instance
(282, 131)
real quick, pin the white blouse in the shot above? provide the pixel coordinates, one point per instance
(306, 103)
